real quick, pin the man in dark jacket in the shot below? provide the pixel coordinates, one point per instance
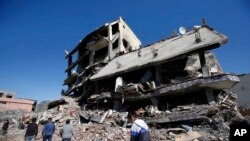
(32, 130)
(48, 130)
(5, 126)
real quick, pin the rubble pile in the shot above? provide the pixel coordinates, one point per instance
(182, 123)
(213, 120)
(106, 129)
(12, 115)
(14, 132)
(245, 112)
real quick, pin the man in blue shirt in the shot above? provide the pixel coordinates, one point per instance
(48, 130)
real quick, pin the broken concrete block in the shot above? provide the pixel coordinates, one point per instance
(187, 128)
(189, 136)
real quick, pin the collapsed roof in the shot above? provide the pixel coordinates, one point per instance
(163, 52)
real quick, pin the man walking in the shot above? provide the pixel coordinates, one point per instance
(48, 130)
(67, 131)
(5, 127)
(32, 130)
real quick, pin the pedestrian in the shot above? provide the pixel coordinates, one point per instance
(139, 129)
(32, 130)
(48, 130)
(5, 127)
(67, 131)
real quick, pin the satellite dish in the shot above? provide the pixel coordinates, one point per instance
(182, 30)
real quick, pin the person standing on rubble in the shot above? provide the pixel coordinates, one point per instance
(139, 129)
(48, 130)
(32, 130)
(5, 127)
(67, 131)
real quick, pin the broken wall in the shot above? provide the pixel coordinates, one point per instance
(243, 89)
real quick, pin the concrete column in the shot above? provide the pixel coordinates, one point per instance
(155, 101)
(110, 47)
(210, 96)
(69, 63)
(117, 104)
(91, 57)
(120, 43)
(205, 69)
(158, 75)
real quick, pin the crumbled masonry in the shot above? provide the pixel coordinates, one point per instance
(177, 83)
(186, 122)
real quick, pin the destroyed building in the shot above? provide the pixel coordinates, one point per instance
(177, 83)
(112, 68)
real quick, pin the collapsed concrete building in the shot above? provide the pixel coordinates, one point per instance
(112, 68)
(177, 84)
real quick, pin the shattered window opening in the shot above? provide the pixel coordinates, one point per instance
(101, 55)
(8, 96)
(115, 28)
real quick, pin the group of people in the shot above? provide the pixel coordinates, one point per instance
(139, 129)
(66, 132)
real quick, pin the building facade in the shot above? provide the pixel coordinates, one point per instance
(8, 101)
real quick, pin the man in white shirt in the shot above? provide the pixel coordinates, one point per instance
(139, 129)
(67, 131)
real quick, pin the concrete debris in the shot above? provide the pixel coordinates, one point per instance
(187, 128)
(42, 106)
(12, 115)
(183, 123)
(189, 136)
(176, 130)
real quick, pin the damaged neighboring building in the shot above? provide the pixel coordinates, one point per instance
(109, 67)
(242, 89)
(8, 101)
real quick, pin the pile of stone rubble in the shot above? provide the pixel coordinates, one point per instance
(182, 123)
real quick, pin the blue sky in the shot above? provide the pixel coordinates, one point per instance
(34, 34)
